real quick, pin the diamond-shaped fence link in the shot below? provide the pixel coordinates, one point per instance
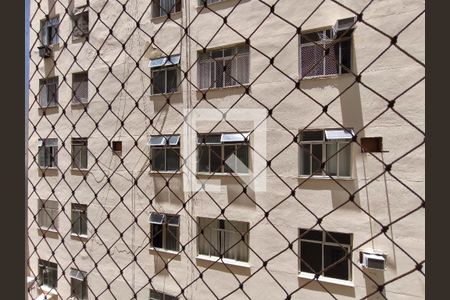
(227, 149)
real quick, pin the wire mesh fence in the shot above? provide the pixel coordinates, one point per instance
(228, 149)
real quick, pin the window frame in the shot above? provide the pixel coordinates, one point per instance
(166, 147)
(48, 214)
(165, 232)
(165, 69)
(222, 238)
(83, 149)
(50, 151)
(207, 58)
(237, 145)
(44, 84)
(83, 283)
(47, 39)
(47, 278)
(336, 155)
(80, 209)
(81, 75)
(158, 11)
(323, 244)
(81, 11)
(323, 42)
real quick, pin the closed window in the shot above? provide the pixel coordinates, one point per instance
(80, 24)
(320, 250)
(47, 214)
(79, 219)
(165, 74)
(48, 274)
(223, 153)
(324, 52)
(49, 31)
(48, 92)
(165, 153)
(80, 87)
(48, 153)
(155, 295)
(224, 67)
(332, 146)
(223, 237)
(164, 7)
(79, 153)
(164, 231)
(78, 284)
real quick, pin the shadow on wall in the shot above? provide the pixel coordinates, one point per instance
(373, 279)
(334, 289)
(168, 188)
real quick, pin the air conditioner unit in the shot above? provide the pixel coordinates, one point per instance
(373, 261)
(44, 51)
(342, 25)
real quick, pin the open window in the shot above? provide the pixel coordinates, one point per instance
(165, 73)
(165, 153)
(165, 231)
(78, 284)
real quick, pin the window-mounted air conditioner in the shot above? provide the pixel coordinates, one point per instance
(343, 25)
(44, 51)
(373, 261)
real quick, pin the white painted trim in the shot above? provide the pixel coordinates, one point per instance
(225, 261)
(309, 276)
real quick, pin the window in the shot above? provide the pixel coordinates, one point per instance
(79, 219)
(320, 249)
(48, 274)
(154, 295)
(165, 73)
(117, 147)
(165, 152)
(80, 24)
(78, 284)
(49, 31)
(47, 214)
(48, 92)
(330, 145)
(48, 153)
(372, 144)
(80, 87)
(222, 237)
(164, 7)
(164, 231)
(230, 148)
(224, 67)
(79, 153)
(314, 59)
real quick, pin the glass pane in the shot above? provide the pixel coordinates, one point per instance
(76, 288)
(346, 55)
(331, 165)
(229, 81)
(331, 255)
(315, 235)
(172, 238)
(172, 159)
(158, 159)
(342, 238)
(172, 80)
(316, 158)
(344, 159)
(159, 82)
(311, 135)
(219, 73)
(230, 158)
(84, 223)
(157, 235)
(311, 257)
(75, 218)
(305, 159)
(203, 159)
(216, 158)
(242, 155)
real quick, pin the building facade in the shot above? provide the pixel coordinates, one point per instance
(185, 157)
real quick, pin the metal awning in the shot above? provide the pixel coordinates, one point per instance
(156, 218)
(77, 274)
(339, 134)
(161, 140)
(233, 137)
(165, 61)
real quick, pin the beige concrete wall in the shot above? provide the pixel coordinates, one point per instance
(386, 198)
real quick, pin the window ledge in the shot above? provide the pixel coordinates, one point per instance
(79, 171)
(216, 89)
(225, 261)
(165, 172)
(79, 236)
(175, 15)
(47, 229)
(321, 278)
(48, 290)
(325, 178)
(164, 252)
(44, 108)
(47, 169)
(164, 95)
(323, 77)
(79, 104)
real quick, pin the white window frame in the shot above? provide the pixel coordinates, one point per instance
(50, 148)
(44, 269)
(245, 143)
(167, 146)
(241, 51)
(77, 227)
(324, 143)
(324, 243)
(78, 142)
(222, 232)
(165, 230)
(326, 32)
(47, 214)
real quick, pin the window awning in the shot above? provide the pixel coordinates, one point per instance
(77, 274)
(39, 143)
(165, 61)
(156, 218)
(233, 137)
(161, 140)
(339, 134)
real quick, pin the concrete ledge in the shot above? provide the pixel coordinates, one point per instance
(224, 265)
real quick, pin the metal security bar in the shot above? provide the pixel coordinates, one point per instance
(234, 149)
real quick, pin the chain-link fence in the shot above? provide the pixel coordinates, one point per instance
(238, 149)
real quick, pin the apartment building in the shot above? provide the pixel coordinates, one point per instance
(173, 155)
